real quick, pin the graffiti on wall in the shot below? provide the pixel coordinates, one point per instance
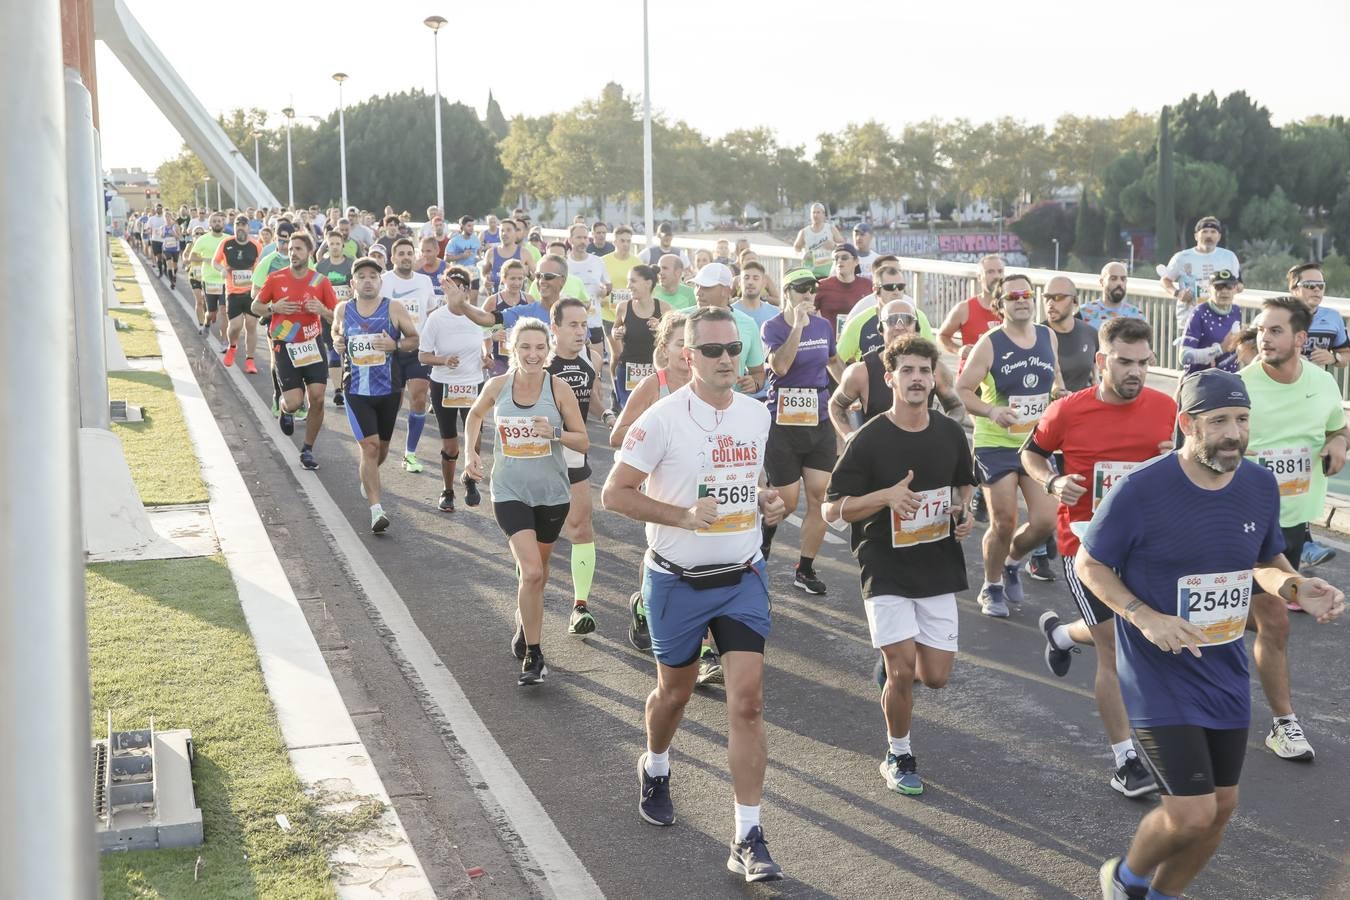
(951, 246)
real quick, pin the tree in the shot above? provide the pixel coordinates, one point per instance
(494, 120)
(869, 152)
(836, 182)
(526, 157)
(597, 148)
(1313, 160)
(1235, 133)
(1087, 228)
(746, 170)
(1084, 146)
(1276, 219)
(923, 167)
(1340, 217)
(1164, 194)
(680, 163)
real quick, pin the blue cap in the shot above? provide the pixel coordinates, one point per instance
(862, 228)
(1211, 389)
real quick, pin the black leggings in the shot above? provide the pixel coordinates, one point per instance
(448, 417)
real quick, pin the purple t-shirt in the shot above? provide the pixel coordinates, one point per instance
(808, 370)
(1208, 327)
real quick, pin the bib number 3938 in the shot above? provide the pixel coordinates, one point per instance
(518, 439)
(798, 406)
(1217, 603)
(930, 523)
(304, 353)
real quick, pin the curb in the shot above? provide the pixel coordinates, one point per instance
(321, 740)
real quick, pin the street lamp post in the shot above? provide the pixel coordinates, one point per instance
(340, 77)
(206, 190)
(647, 216)
(238, 158)
(1055, 241)
(435, 23)
(289, 113)
(257, 165)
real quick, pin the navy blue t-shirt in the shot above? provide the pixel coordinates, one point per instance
(1187, 551)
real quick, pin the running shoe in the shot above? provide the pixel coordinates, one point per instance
(807, 580)
(229, 355)
(582, 622)
(1056, 660)
(1314, 554)
(709, 667)
(338, 401)
(992, 602)
(1287, 741)
(447, 503)
(518, 645)
(411, 463)
(1133, 779)
(532, 671)
(750, 858)
(378, 521)
(471, 495)
(902, 774)
(654, 796)
(638, 635)
(1112, 887)
(250, 367)
(308, 461)
(287, 422)
(1038, 567)
(1012, 584)
(977, 507)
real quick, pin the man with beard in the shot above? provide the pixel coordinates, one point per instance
(1174, 551)
(213, 280)
(1101, 432)
(1188, 274)
(1298, 432)
(1114, 281)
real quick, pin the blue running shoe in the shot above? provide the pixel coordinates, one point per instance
(654, 796)
(1314, 554)
(750, 858)
(992, 601)
(1012, 584)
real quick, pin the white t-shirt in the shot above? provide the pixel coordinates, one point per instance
(686, 447)
(417, 293)
(449, 334)
(362, 234)
(592, 273)
(652, 255)
(155, 226)
(1190, 269)
(865, 265)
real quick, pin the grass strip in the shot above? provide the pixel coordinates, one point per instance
(139, 340)
(158, 450)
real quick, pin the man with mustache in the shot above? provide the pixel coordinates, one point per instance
(1103, 432)
(1114, 281)
(1175, 551)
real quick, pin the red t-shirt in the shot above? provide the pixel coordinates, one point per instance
(834, 298)
(283, 285)
(1095, 437)
(978, 321)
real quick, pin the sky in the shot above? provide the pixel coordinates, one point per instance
(802, 67)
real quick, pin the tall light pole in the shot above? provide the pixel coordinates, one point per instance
(1055, 241)
(340, 77)
(435, 23)
(206, 190)
(646, 131)
(257, 164)
(238, 160)
(289, 113)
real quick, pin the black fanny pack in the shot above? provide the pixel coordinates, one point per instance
(702, 578)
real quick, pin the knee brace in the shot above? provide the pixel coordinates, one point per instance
(447, 457)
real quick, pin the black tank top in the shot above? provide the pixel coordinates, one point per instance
(878, 392)
(639, 341)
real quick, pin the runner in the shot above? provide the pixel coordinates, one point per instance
(617, 266)
(802, 447)
(838, 293)
(699, 454)
(500, 252)
(672, 290)
(969, 321)
(513, 277)
(1188, 274)
(300, 303)
(862, 332)
(235, 259)
(597, 243)
(632, 338)
(816, 242)
(1015, 368)
(1193, 524)
(1115, 282)
(195, 279)
(415, 291)
(665, 244)
(1298, 432)
(169, 248)
(453, 346)
(536, 418)
(1212, 331)
(1100, 433)
(491, 230)
(867, 257)
(895, 484)
(336, 266)
(154, 231)
(213, 281)
(1328, 344)
(366, 331)
(595, 280)
(464, 246)
(864, 382)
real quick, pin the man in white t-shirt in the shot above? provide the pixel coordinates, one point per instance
(594, 275)
(862, 239)
(417, 294)
(453, 347)
(700, 454)
(1186, 276)
(428, 229)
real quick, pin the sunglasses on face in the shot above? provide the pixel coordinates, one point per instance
(1058, 296)
(893, 286)
(802, 287)
(1313, 285)
(1018, 295)
(715, 351)
(548, 276)
(459, 280)
(900, 319)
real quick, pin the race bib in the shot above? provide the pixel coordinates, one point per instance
(930, 523)
(304, 353)
(1291, 466)
(458, 396)
(1217, 603)
(171, 245)
(411, 305)
(1104, 477)
(737, 496)
(361, 350)
(518, 441)
(798, 406)
(241, 277)
(633, 373)
(616, 297)
(343, 291)
(1029, 409)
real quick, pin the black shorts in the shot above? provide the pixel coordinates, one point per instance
(171, 254)
(1295, 537)
(406, 367)
(792, 448)
(157, 247)
(1093, 611)
(289, 377)
(373, 415)
(240, 305)
(1188, 760)
(545, 521)
(597, 335)
(449, 417)
(194, 284)
(579, 474)
(214, 301)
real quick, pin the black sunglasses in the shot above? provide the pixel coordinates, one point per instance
(803, 287)
(715, 351)
(894, 286)
(548, 276)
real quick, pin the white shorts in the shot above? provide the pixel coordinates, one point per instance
(930, 621)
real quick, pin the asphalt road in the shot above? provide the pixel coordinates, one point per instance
(1014, 760)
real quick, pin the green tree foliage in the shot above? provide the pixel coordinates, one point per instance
(1164, 191)
(528, 160)
(869, 152)
(681, 160)
(1313, 160)
(1038, 226)
(1265, 266)
(1236, 133)
(1340, 215)
(1088, 224)
(597, 148)
(1083, 147)
(746, 169)
(493, 119)
(1337, 272)
(1275, 218)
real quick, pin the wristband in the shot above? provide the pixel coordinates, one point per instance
(557, 432)
(1049, 485)
(1293, 581)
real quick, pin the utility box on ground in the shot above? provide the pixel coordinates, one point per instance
(143, 796)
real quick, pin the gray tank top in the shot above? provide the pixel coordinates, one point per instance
(529, 470)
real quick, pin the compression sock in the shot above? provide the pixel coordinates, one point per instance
(1128, 878)
(806, 564)
(416, 422)
(583, 570)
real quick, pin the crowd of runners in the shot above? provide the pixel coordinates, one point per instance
(1180, 521)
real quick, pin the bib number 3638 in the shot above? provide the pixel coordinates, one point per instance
(1218, 603)
(798, 406)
